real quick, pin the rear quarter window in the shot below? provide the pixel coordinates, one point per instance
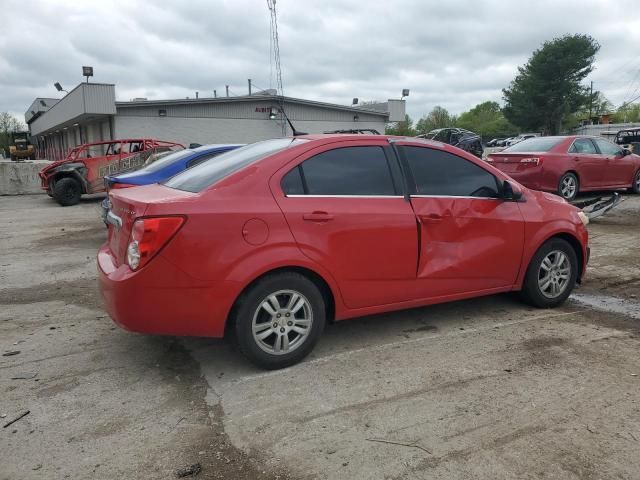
(536, 144)
(206, 174)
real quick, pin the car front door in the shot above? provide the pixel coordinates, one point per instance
(470, 239)
(620, 168)
(588, 163)
(345, 208)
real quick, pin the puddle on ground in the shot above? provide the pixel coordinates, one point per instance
(608, 303)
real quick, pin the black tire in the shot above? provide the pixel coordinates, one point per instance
(13, 158)
(564, 192)
(67, 191)
(250, 306)
(532, 292)
(635, 186)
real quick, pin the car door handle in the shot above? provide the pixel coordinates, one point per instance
(319, 217)
(430, 218)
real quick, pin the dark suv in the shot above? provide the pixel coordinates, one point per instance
(629, 139)
(458, 137)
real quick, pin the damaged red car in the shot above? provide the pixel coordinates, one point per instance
(83, 170)
(275, 239)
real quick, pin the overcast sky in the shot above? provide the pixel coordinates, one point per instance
(450, 53)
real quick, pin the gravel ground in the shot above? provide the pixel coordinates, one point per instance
(482, 389)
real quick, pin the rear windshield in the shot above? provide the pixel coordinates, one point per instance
(536, 144)
(167, 160)
(206, 174)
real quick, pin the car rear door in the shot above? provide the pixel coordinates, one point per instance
(344, 205)
(470, 240)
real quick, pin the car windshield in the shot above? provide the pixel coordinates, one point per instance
(167, 160)
(208, 173)
(431, 135)
(536, 144)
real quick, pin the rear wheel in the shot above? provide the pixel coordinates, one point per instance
(551, 275)
(279, 320)
(635, 186)
(568, 186)
(67, 191)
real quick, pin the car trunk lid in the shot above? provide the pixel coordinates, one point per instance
(515, 162)
(124, 206)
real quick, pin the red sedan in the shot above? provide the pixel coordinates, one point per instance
(274, 239)
(569, 165)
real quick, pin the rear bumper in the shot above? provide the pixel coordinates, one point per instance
(161, 299)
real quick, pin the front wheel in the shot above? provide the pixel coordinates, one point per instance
(67, 191)
(551, 275)
(568, 186)
(635, 186)
(279, 320)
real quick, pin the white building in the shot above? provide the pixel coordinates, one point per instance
(90, 113)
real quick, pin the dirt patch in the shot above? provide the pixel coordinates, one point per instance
(209, 444)
(83, 292)
(91, 237)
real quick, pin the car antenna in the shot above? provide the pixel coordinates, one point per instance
(296, 133)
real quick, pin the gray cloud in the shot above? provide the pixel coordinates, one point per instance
(454, 53)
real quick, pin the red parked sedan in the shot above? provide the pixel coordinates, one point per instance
(274, 239)
(571, 164)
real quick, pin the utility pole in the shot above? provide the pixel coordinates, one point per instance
(591, 101)
(249, 80)
(227, 87)
(215, 94)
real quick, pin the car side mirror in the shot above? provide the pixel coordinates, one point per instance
(625, 152)
(508, 193)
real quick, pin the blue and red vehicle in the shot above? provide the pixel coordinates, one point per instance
(83, 170)
(167, 166)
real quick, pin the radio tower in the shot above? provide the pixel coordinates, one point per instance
(276, 59)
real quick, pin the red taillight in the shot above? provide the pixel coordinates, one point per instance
(531, 160)
(121, 185)
(148, 236)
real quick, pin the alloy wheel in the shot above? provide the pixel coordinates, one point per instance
(282, 322)
(554, 274)
(568, 186)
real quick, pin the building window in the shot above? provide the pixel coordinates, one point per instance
(162, 112)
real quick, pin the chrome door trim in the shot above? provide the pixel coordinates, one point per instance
(456, 196)
(344, 196)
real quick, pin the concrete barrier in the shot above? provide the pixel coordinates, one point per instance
(20, 178)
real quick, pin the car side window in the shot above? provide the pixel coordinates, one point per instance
(342, 171)
(439, 173)
(195, 161)
(292, 182)
(608, 148)
(583, 145)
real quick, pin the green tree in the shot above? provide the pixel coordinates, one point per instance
(404, 128)
(487, 120)
(8, 125)
(548, 87)
(439, 117)
(596, 105)
(627, 113)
